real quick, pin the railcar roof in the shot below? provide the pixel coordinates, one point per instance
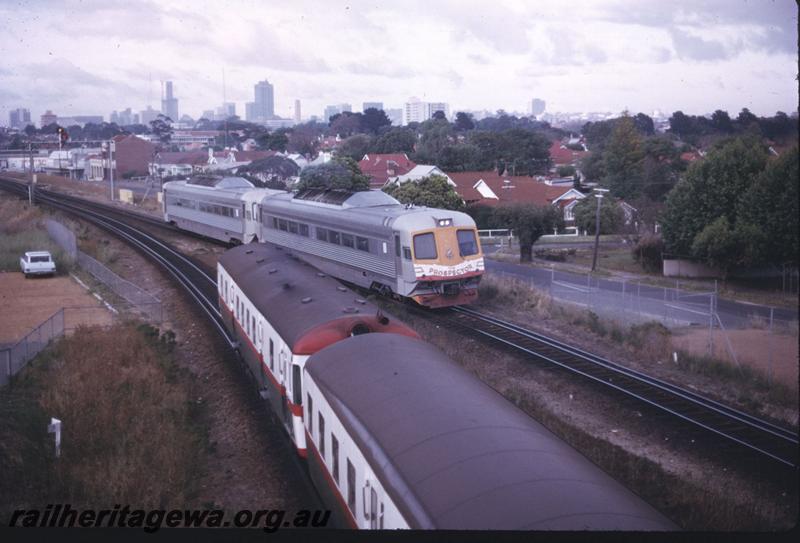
(308, 309)
(456, 454)
(205, 190)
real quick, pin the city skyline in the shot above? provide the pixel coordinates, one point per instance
(595, 56)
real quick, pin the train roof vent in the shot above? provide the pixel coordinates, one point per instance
(325, 196)
(360, 329)
(349, 309)
(272, 270)
(248, 252)
(360, 301)
(320, 274)
(341, 289)
(305, 300)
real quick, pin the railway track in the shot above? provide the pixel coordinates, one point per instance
(767, 440)
(200, 286)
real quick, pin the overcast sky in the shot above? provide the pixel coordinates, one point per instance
(95, 56)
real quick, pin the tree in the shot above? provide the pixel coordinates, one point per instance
(524, 152)
(373, 119)
(303, 139)
(746, 118)
(459, 157)
(346, 123)
(612, 217)
(396, 140)
(644, 124)
(710, 189)
(464, 122)
(355, 146)
(435, 134)
(529, 224)
(161, 127)
(725, 247)
(772, 203)
(681, 124)
(341, 173)
(622, 159)
(431, 191)
(565, 170)
(721, 121)
(439, 115)
(593, 167)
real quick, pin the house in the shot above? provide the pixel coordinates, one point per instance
(132, 156)
(418, 172)
(380, 167)
(562, 155)
(492, 189)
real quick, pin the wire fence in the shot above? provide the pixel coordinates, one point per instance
(761, 336)
(148, 305)
(13, 358)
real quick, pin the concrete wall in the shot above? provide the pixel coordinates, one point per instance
(687, 268)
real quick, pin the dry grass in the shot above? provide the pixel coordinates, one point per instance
(21, 230)
(130, 427)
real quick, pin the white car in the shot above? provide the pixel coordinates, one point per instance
(37, 263)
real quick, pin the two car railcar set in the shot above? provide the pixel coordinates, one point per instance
(395, 434)
(369, 239)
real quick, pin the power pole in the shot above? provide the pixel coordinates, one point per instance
(111, 167)
(30, 185)
(599, 193)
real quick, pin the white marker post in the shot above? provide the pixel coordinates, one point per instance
(55, 428)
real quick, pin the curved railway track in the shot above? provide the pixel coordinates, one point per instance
(768, 440)
(728, 425)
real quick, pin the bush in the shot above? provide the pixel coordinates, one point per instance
(648, 252)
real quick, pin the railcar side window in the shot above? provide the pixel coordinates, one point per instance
(275, 223)
(425, 246)
(297, 393)
(347, 240)
(334, 237)
(466, 242)
(271, 355)
(335, 454)
(362, 244)
(282, 224)
(396, 246)
(351, 487)
(407, 253)
(292, 227)
(322, 234)
(322, 436)
(310, 414)
(303, 229)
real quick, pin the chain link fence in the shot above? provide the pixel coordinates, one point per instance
(14, 357)
(759, 336)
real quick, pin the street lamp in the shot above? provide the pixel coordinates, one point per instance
(598, 193)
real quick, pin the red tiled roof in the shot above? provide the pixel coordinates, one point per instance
(188, 157)
(379, 167)
(518, 189)
(560, 154)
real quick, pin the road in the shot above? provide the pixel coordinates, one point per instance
(629, 299)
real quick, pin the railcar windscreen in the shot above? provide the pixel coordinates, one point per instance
(467, 245)
(424, 246)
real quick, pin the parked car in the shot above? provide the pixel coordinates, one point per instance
(37, 263)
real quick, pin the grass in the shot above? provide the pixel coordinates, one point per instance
(132, 431)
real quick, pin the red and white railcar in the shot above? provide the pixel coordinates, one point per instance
(280, 310)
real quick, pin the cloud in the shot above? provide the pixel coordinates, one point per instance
(695, 48)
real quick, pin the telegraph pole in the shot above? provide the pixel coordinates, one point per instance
(111, 166)
(599, 193)
(30, 185)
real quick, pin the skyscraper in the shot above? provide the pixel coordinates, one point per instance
(375, 105)
(297, 115)
(169, 104)
(19, 118)
(263, 108)
(537, 106)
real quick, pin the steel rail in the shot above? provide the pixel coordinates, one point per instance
(685, 402)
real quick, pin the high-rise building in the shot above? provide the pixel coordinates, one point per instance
(225, 111)
(169, 104)
(433, 107)
(146, 116)
(263, 108)
(330, 111)
(48, 118)
(19, 118)
(124, 118)
(375, 105)
(537, 106)
(297, 114)
(417, 111)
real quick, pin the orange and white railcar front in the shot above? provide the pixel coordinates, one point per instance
(443, 258)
